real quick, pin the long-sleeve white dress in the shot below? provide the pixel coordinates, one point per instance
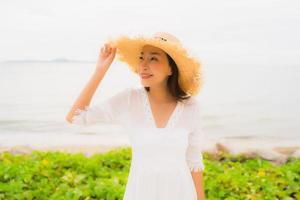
(162, 158)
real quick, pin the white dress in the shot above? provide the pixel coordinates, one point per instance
(162, 158)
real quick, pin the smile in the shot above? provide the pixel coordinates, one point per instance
(146, 77)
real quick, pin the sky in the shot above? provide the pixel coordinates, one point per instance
(264, 32)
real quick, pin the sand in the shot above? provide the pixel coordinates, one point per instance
(275, 150)
(88, 150)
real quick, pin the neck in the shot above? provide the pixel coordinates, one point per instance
(160, 94)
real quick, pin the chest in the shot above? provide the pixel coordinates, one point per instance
(161, 113)
(160, 139)
(147, 114)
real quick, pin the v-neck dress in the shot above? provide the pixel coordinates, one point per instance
(162, 158)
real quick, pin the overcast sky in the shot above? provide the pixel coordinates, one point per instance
(217, 31)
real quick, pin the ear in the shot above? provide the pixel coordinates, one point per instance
(170, 71)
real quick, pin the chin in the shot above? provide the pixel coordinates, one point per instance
(145, 84)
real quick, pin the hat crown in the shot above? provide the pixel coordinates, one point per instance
(166, 37)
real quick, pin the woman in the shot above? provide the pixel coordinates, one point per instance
(161, 117)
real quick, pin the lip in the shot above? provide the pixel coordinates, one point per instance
(146, 76)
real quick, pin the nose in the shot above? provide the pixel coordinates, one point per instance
(144, 65)
(143, 62)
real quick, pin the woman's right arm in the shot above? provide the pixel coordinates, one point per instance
(104, 61)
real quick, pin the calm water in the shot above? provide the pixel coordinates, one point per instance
(237, 101)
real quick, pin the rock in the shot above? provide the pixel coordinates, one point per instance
(222, 147)
(271, 155)
(4, 149)
(20, 149)
(210, 150)
(296, 154)
(287, 150)
(265, 153)
(251, 153)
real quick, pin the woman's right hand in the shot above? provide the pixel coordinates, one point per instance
(106, 56)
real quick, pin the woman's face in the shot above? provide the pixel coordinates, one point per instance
(153, 61)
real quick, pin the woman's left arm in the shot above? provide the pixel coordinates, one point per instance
(194, 151)
(198, 181)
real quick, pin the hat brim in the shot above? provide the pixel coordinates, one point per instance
(190, 76)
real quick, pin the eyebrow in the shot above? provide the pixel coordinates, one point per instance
(153, 53)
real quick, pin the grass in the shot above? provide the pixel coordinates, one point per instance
(57, 175)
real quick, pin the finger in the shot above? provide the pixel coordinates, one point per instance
(112, 52)
(108, 47)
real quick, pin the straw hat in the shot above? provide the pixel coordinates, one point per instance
(189, 68)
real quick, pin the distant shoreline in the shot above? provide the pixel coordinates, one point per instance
(58, 60)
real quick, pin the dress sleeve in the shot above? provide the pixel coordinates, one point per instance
(196, 140)
(110, 110)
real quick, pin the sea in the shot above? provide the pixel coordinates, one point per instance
(243, 101)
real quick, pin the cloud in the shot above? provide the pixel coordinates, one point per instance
(221, 30)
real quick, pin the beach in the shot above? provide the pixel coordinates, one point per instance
(235, 119)
(275, 150)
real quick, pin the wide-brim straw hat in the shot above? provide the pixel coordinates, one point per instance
(189, 67)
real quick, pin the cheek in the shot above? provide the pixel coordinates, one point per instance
(158, 68)
(155, 67)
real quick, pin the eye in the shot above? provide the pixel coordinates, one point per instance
(153, 58)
